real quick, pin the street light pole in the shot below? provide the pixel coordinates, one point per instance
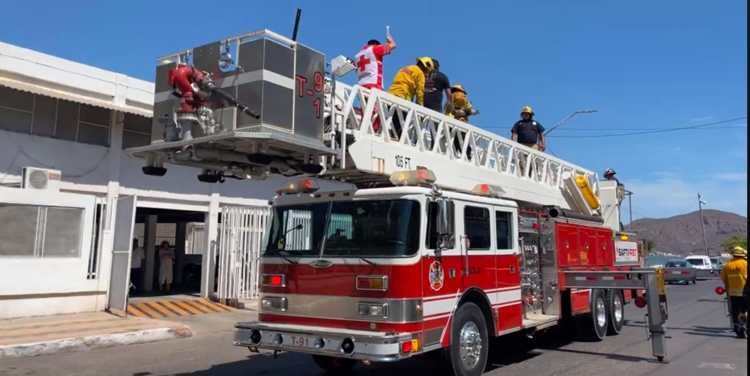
(703, 227)
(565, 119)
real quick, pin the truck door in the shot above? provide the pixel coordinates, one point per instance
(508, 265)
(478, 250)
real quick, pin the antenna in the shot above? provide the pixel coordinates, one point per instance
(296, 24)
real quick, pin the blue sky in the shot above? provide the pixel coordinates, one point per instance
(641, 64)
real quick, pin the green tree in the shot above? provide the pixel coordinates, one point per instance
(735, 240)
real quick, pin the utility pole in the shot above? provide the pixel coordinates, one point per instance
(703, 227)
(630, 209)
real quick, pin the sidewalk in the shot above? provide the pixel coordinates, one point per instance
(81, 331)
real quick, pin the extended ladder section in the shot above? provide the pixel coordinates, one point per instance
(632, 279)
(260, 104)
(375, 134)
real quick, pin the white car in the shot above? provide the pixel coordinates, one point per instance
(702, 263)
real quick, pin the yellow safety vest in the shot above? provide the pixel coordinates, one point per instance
(734, 276)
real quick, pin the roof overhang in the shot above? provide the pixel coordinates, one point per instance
(38, 73)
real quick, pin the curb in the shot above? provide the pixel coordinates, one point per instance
(93, 342)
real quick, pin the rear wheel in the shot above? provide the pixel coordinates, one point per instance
(593, 325)
(334, 366)
(469, 345)
(616, 312)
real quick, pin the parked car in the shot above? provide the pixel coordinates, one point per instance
(702, 264)
(679, 271)
(717, 263)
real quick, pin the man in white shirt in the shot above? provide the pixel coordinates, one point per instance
(136, 263)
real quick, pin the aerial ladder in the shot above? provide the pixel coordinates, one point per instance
(261, 104)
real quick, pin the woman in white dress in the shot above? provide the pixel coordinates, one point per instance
(166, 263)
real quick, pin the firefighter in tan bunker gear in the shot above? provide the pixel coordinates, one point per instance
(734, 276)
(459, 106)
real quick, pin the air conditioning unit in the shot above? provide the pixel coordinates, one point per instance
(41, 178)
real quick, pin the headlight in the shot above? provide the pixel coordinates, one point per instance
(274, 303)
(371, 309)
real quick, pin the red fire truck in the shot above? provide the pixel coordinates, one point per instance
(446, 236)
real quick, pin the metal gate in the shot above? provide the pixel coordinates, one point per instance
(240, 242)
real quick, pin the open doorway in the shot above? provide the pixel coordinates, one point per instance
(170, 258)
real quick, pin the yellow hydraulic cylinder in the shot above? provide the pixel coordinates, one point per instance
(587, 192)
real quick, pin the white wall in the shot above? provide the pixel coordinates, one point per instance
(89, 164)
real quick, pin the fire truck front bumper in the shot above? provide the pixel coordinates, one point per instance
(334, 342)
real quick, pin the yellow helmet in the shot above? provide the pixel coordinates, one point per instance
(458, 87)
(738, 251)
(426, 62)
(527, 110)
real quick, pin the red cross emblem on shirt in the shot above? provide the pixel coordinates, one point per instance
(362, 62)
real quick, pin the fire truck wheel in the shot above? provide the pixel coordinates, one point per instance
(616, 310)
(593, 325)
(334, 366)
(469, 341)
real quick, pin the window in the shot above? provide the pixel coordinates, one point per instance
(136, 131)
(376, 228)
(698, 262)
(18, 232)
(93, 125)
(477, 227)
(504, 228)
(62, 232)
(40, 231)
(432, 218)
(50, 117)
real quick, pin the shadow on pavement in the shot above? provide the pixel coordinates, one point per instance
(708, 300)
(626, 358)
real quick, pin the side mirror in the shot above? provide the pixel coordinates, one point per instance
(444, 226)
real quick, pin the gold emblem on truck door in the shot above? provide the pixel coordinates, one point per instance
(436, 275)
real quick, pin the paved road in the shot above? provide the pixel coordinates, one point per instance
(700, 344)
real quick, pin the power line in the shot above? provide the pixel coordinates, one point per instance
(662, 130)
(647, 129)
(696, 126)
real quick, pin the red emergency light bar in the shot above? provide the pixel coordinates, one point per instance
(299, 186)
(488, 190)
(420, 176)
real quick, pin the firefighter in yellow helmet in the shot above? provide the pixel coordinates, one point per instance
(734, 276)
(409, 84)
(409, 81)
(459, 106)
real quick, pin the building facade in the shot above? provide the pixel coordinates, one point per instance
(67, 248)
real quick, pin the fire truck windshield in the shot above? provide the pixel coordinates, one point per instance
(372, 228)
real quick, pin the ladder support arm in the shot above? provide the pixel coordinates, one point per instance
(632, 279)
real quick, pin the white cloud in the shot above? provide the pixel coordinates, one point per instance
(731, 176)
(669, 194)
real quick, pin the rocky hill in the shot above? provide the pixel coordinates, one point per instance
(681, 234)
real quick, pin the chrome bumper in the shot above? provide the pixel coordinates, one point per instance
(372, 346)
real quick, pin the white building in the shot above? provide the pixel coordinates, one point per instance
(67, 248)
